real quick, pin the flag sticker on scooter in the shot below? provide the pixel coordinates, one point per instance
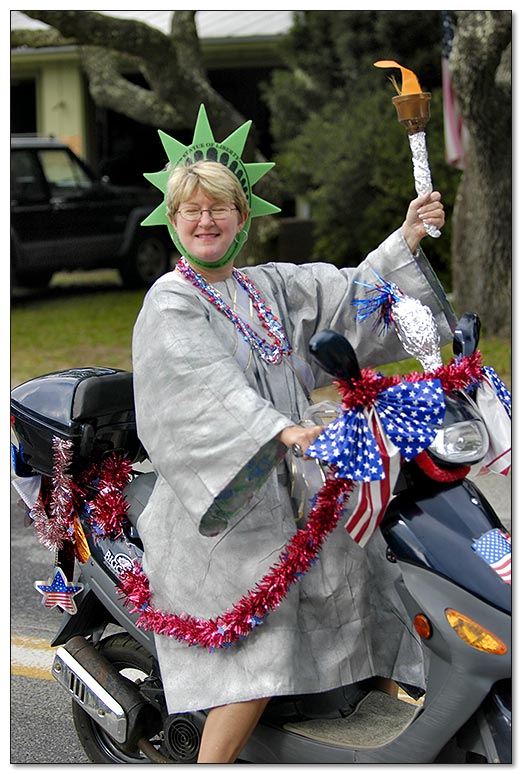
(495, 548)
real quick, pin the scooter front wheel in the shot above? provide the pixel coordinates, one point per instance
(137, 665)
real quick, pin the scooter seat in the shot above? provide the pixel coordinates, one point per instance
(101, 392)
(137, 494)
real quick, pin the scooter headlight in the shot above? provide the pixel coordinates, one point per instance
(462, 443)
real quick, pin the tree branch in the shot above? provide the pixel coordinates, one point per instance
(185, 39)
(172, 65)
(39, 39)
(110, 89)
(97, 29)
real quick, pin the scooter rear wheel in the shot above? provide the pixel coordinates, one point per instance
(137, 665)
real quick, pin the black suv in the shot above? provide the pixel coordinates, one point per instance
(63, 219)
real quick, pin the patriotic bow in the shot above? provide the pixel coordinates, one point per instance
(502, 392)
(409, 414)
(494, 402)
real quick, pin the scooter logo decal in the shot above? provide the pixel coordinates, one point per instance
(118, 563)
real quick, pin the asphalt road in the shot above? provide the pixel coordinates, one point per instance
(41, 724)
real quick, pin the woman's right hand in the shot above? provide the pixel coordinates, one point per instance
(426, 209)
(299, 436)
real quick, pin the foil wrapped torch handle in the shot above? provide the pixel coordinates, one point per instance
(422, 172)
(413, 112)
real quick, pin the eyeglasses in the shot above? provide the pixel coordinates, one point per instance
(195, 213)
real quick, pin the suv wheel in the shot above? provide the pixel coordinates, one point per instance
(34, 279)
(148, 258)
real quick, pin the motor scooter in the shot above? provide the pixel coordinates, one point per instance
(459, 606)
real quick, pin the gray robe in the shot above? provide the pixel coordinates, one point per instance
(206, 404)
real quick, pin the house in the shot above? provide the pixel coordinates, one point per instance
(49, 94)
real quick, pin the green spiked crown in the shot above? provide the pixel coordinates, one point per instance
(228, 153)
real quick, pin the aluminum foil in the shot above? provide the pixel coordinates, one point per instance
(418, 332)
(422, 172)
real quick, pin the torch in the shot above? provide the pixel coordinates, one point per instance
(413, 112)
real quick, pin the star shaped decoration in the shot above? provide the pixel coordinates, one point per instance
(58, 592)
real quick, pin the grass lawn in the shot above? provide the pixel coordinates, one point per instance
(72, 325)
(87, 319)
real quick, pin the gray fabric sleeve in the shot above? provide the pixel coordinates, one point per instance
(319, 296)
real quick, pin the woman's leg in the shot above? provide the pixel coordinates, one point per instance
(386, 685)
(227, 730)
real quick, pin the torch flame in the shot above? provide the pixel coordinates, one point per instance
(410, 83)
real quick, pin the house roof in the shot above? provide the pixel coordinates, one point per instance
(211, 25)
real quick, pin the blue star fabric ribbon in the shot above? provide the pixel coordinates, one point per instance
(410, 414)
(350, 446)
(500, 388)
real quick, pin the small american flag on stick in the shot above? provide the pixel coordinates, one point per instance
(495, 548)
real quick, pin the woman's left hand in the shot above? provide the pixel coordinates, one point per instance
(425, 209)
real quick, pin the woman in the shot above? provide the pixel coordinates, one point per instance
(211, 394)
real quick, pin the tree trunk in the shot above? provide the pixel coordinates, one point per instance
(481, 245)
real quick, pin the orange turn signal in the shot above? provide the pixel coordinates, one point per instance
(422, 626)
(472, 633)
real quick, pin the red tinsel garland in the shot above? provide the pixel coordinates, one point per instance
(53, 515)
(108, 508)
(302, 549)
(297, 557)
(456, 375)
(54, 524)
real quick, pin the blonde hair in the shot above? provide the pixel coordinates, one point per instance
(211, 177)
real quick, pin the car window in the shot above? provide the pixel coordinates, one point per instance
(62, 171)
(27, 183)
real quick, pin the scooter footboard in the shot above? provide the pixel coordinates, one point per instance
(459, 680)
(459, 676)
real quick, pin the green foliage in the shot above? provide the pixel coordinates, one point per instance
(338, 141)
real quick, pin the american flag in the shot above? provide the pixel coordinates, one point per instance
(454, 129)
(495, 548)
(372, 498)
(494, 403)
(500, 388)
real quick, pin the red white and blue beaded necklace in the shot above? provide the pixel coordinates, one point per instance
(270, 353)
